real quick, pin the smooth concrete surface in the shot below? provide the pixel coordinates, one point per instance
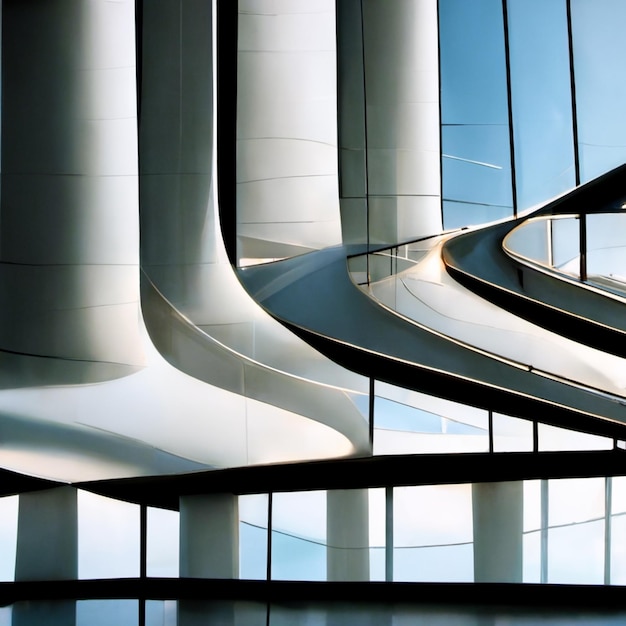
(209, 536)
(498, 523)
(47, 535)
(347, 535)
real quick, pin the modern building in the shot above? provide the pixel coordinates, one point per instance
(312, 311)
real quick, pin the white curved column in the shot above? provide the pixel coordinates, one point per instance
(388, 94)
(209, 536)
(347, 536)
(498, 515)
(47, 551)
(69, 240)
(287, 196)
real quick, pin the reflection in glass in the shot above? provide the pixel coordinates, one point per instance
(8, 537)
(163, 543)
(512, 434)
(576, 554)
(476, 165)
(409, 422)
(606, 251)
(299, 536)
(532, 505)
(377, 527)
(541, 100)
(253, 510)
(433, 533)
(161, 613)
(106, 612)
(574, 500)
(532, 557)
(600, 75)
(565, 245)
(108, 537)
(553, 438)
(618, 549)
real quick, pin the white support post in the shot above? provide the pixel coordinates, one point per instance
(347, 535)
(47, 535)
(498, 512)
(209, 536)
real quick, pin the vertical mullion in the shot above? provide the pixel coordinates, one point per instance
(608, 505)
(372, 398)
(507, 59)
(268, 573)
(143, 541)
(143, 558)
(544, 530)
(572, 78)
(389, 534)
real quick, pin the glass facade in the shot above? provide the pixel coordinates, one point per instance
(176, 332)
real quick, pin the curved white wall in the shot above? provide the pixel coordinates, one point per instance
(287, 195)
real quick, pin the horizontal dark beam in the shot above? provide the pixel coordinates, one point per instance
(377, 471)
(362, 594)
(13, 483)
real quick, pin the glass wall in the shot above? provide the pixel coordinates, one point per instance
(253, 525)
(557, 107)
(541, 100)
(432, 534)
(600, 75)
(475, 139)
(409, 422)
(571, 531)
(299, 536)
(8, 537)
(162, 542)
(108, 537)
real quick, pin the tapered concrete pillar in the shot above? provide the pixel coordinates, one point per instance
(47, 535)
(498, 515)
(347, 535)
(209, 536)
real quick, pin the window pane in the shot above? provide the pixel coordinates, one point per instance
(433, 533)
(576, 554)
(511, 434)
(377, 527)
(606, 251)
(532, 557)
(408, 422)
(163, 543)
(600, 74)
(108, 537)
(573, 500)
(253, 536)
(554, 438)
(106, 612)
(476, 164)
(541, 99)
(618, 549)
(8, 537)
(299, 536)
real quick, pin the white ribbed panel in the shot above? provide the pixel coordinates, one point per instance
(389, 120)
(287, 195)
(70, 238)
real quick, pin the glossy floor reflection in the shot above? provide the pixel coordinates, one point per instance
(242, 613)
